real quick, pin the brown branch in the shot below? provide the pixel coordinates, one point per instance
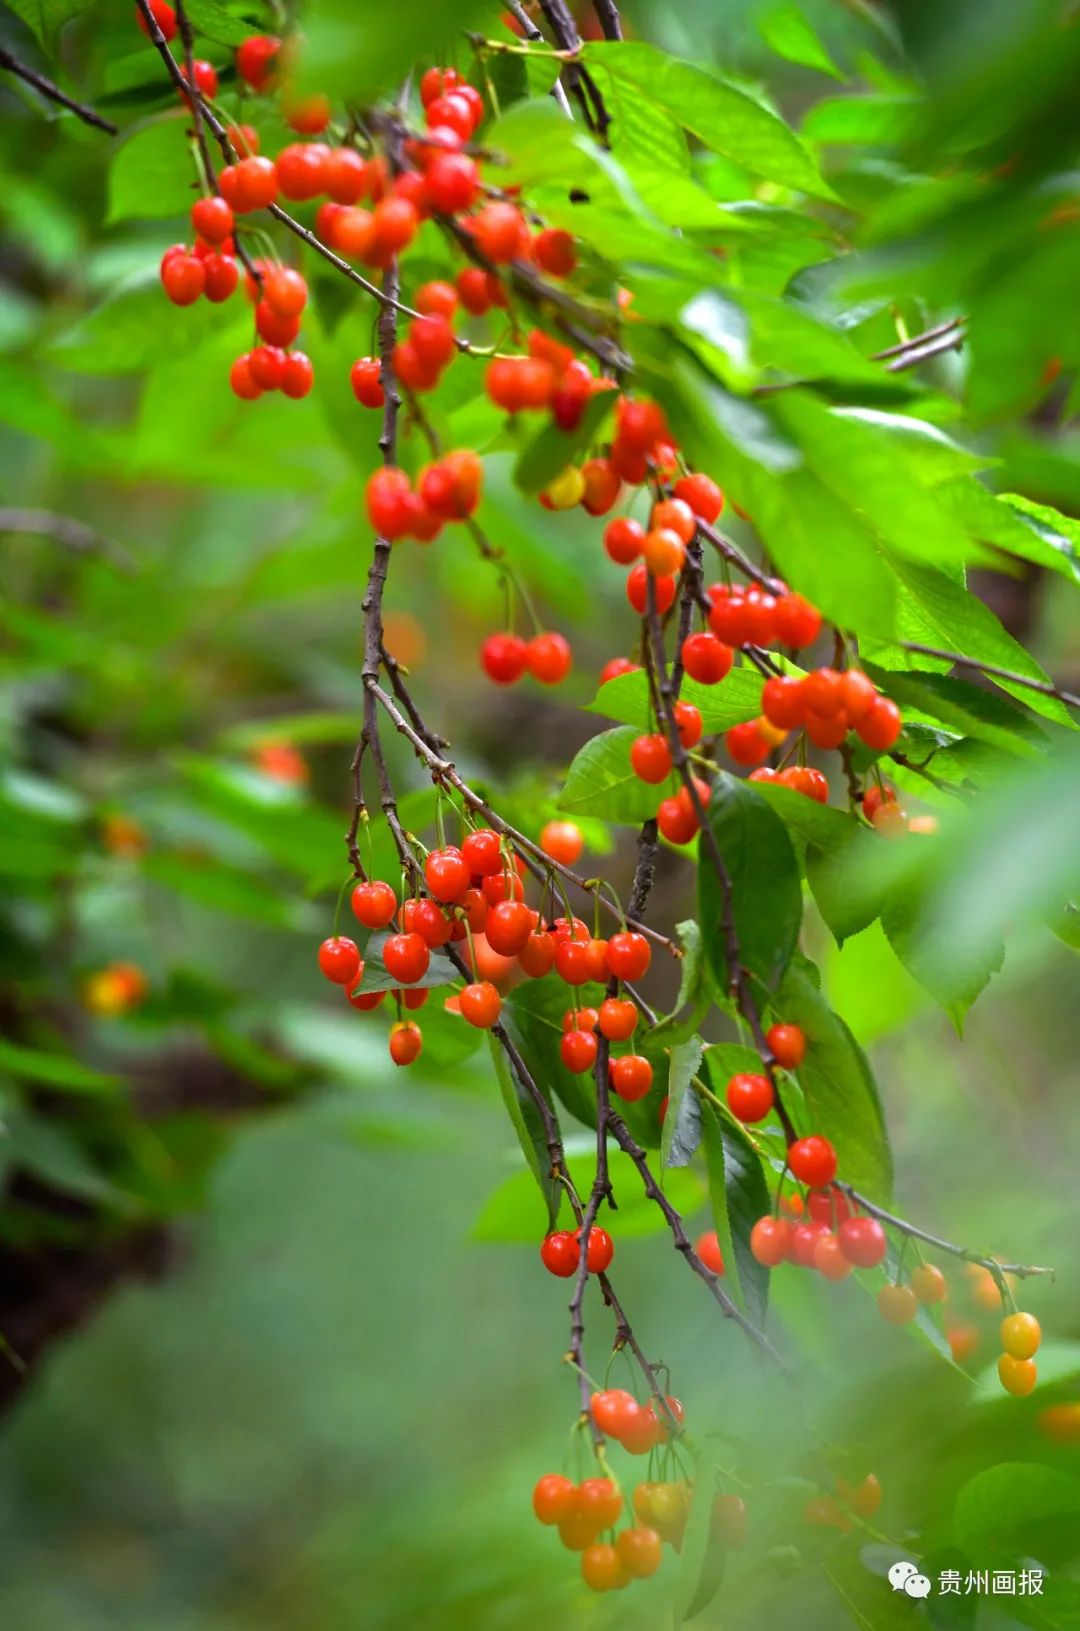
(997, 1268)
(66, 530)
(1045, 688)
(53, 93)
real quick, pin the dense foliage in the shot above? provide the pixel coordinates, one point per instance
(487, 354)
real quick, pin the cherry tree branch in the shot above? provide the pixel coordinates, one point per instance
(996, 1267)
(1045, 688)
(53, 93)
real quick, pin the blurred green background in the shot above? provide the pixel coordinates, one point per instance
(288, 1387)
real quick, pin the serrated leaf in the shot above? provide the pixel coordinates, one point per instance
(682, 1122)
(552, 450)
(601, 782)
(150, 175)
(737, 697)
(766, 894)
(720, 114)
(838, 1085)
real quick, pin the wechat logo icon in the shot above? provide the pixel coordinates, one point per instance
(905, 1576)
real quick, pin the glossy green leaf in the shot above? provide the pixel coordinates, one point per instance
(766, 895)
(150, 177)
(737, 1188)
(682, 1122)
(529, 1126)
(600, 781)
(736, 698)
(787, 30)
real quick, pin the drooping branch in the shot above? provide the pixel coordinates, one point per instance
(1045, 688)
(45, 87)
(1022, 1271)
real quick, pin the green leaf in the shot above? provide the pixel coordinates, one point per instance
(789, 33)
(838, 1085)
(150, 175)
(736, 698)
(46, 17)
(514, 1212)
(53, 1155)
(1010, 1500)
(721, 115)
(682, 1123)
(968, 709)
(532, 1014)
(209, 18)
(600, 781)
(54, 1070)
(910, 921)
(870, 121)
(701, 1568)
(364, 64)
(529, 1127)
(552, 449)
(766, 895)
(737, 1187)
(440, 970)
(123, 334)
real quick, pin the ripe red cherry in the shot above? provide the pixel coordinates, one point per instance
(406, 1041)
(482, 852)
(824, 692)
(562, 840)
(365, 1000)
(554, 252)
(406, 958)
(559, 1253)
(549, 658)
(504, 657)
(308, 115)
(813, 1161)
(623, 538)
(436, 299)
(602, 486)
(183, 278)
(285, 291)
(499, 232)
(640, 423)
(628, 955)
(650, 758)
(425, 918)
(301, 170)
(803, 1241)
(706, 659)
(537, 955)
(205, 76)
(616, 666)
(480, 1004)
(241, 381)
(702, 494)
(770, 1240)
(451, 184)
(788, 1045)
(389, 503)
(637, 590)
(829, 1206)
(273, 329)
(509, 925)
(631, 1076)
(446, 874)
(365, 377)
(795, 622)
(220, 277)
(617, 1018)
(614, 1411)
(863, 1242)
(255, 58)
(688, 723)
(577, 1050)
(339, 960)
(554, 1496)
(677, 818)
(438, 82)
(212, 219)
(374, 904)
(163, 15)
(600, 1251)
(880, 727)
(859, 693)
(299, 375)
(266, 364)
(503, 886)
(573, 962)
(750, 1097)
(745, 744)
(707, 1247)
(580, 1019)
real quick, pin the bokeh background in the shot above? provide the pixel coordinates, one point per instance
(278, 1375)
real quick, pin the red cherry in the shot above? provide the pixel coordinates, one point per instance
(802, 1243)
(859, 693)
(677, 819)
(637, 592)
(309, 115)
(787, 1044)
(577, 1049)
(829, 1206)
(220, 277)
(406, 1041)
(617, 1018)
(183, 278)
(745, 744)
(813, 1161)
(623, 539)
(212, 219)
(273, 329)
(163, 15)
(702, 494)
(706, 659)
(255, 58)
(425, 918)
(446, 874)
(823, 691)
(631, 1076)
(205, 76)
(266, 364)
(628, 955)
(256, 187)
(616, 666)
(750, 1097)
(241, 381)
(562, 840)
(374, 904)
(301, 170)
(537, 956)
(770, 1240)
(365, 377)
(389, 503)
(285, 291)
(614, 1411)
(650, 758)
(549, 658)
(640, 423)
(503, 886)
(504, 657)
(559, 1253)
(707, 1247)
(602, 486)
(880, 727)
(795, 621)
(689, 724)
(600, 1251)
(573, 961)
(554, 1496)
(406, 958)
(580, 1019)
(365, 1000)
(451, 185)
(509, 925)
(299, 375)
(474, 290)
(339, 960)
(482, 852)
(480, 1005)
(499, 232)
(437, 82)
(436, 299)
(863, 1242)
(783, 701)
(554, 251)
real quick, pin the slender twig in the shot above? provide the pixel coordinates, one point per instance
(66, 530)
(902, 1226)
(608, 15)
(530, 31)
(53, 93)
(915, 342)
(1045, 688)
